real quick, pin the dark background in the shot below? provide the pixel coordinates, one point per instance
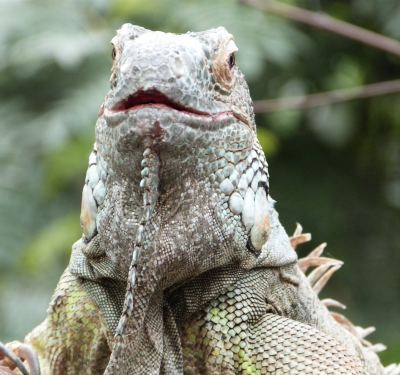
(335, 168)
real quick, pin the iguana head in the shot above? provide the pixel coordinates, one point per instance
(193, 73)
(184, 181)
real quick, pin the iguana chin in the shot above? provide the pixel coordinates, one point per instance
(183, 266)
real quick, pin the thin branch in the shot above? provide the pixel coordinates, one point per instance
(313, 100)
(328, 23)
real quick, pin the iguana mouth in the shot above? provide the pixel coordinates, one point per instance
(154, 97)
(144, 98)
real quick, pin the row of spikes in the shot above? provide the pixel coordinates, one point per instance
(318, 278)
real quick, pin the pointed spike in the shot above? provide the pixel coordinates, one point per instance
(304, 263)
(366, 343)
(298, 230)
(377, 348)
(317, 251)
(331, 302)
(364, 332)
(342, 320)
(390, 368)
(301, 238)
(324, 279)
(316, 274)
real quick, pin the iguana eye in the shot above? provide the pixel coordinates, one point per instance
(113, 53)
(224, 62)
(231, 60)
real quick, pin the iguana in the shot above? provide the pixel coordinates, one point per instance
(183, 266)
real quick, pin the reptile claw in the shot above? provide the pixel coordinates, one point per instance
(12, 355)
(9, 361)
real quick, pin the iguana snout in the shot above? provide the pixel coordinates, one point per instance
(175, 66)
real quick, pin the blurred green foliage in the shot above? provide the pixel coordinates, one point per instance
(335, 169)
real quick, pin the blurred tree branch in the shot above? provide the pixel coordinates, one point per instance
(328, 23)
(345, 29)
(313, 100)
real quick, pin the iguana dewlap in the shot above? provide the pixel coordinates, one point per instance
(183, 267)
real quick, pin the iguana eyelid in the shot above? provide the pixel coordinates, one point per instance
(231, 47)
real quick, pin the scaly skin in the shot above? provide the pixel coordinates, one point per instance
(241, 329)
(183, 261)
(72, 339)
